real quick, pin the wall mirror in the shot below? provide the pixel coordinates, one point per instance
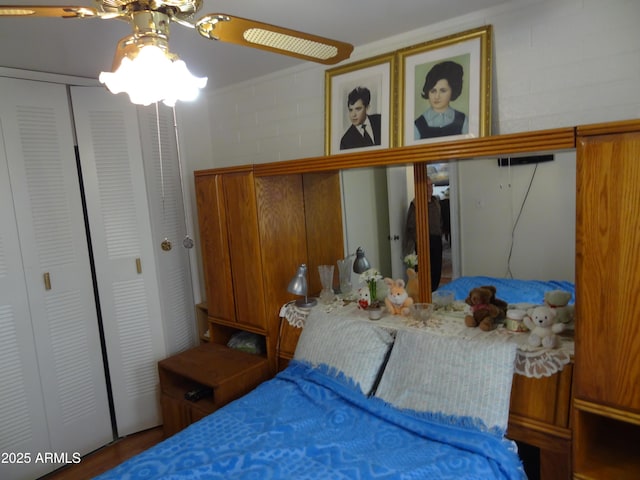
(515, 220)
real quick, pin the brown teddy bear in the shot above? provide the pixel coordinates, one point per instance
(486, 309)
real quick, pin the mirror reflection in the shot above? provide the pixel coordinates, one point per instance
(506, 221)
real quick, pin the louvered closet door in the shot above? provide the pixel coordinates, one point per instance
(44, 184)
(23, 424)
(168, 221)
(109, 144)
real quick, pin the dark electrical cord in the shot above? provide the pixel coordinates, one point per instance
(515, 225)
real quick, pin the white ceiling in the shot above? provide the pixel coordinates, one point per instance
(85, 47)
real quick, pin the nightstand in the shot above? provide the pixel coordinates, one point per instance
(216, 373)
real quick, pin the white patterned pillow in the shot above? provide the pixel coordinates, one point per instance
(450, 375)
(353, 347)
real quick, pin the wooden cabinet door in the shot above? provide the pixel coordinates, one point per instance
(214, 246)
(244, 249)
(283, 239)
(607, 266)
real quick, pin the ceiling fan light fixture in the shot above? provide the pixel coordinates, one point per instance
(149, 73)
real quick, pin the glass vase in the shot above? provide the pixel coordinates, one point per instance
(326, 279)
(344, 271)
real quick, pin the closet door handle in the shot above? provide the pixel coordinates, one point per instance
(47, 281)
(138, 265)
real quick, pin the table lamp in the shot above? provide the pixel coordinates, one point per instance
(299, 286)
(361, 264)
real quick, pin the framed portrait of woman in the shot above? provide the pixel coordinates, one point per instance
(445, 88)
(359, 113)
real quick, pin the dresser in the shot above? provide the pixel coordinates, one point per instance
(255, 230)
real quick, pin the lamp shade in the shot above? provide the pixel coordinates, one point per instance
(361, 264)
(299, 286)
(144, 68)
(148, 73)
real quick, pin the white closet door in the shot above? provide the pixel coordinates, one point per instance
(50, 222)
(110, 153)
(168, 222)
(23, 424)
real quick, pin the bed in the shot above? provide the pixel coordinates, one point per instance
(511, 290)
(358, 401)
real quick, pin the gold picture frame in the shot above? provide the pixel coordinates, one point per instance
(464, 58)
(378, 76)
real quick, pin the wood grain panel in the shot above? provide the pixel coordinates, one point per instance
(607, 266)
(280, 204)
(323, 218)
(244, 249)
(422, 231)
(605, 446)
(546, 399)
(552, 140)
(608, 128)
(288, 341)
(214, 246)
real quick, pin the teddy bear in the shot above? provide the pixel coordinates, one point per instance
(559, 301)
(485, 308)
(364, 298)
(398, 301)
(542, 321)
(412, 284)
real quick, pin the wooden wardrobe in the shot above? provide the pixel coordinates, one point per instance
(255, 231)
(606, 430)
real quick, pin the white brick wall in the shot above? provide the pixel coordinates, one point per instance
(556, 63)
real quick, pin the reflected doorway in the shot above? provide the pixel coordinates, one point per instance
(400, 188)
(442, 179)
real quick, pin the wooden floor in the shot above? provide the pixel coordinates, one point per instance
(109, 456)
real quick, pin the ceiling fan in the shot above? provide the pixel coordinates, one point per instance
(150, 20)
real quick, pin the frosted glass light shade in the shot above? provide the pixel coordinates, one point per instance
(151, 76)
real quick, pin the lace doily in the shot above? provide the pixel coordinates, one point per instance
(297, 315)
(534, 362)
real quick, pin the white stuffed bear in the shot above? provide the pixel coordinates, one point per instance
(542, 323)
(559, 301)
(364, 297)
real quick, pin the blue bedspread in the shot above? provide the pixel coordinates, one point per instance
(510, 290)
(304, 424)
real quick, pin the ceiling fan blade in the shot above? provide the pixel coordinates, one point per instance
(41, 11)
(251, 33)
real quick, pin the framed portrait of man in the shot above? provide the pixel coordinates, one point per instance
(359, 113)
(445, 89)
